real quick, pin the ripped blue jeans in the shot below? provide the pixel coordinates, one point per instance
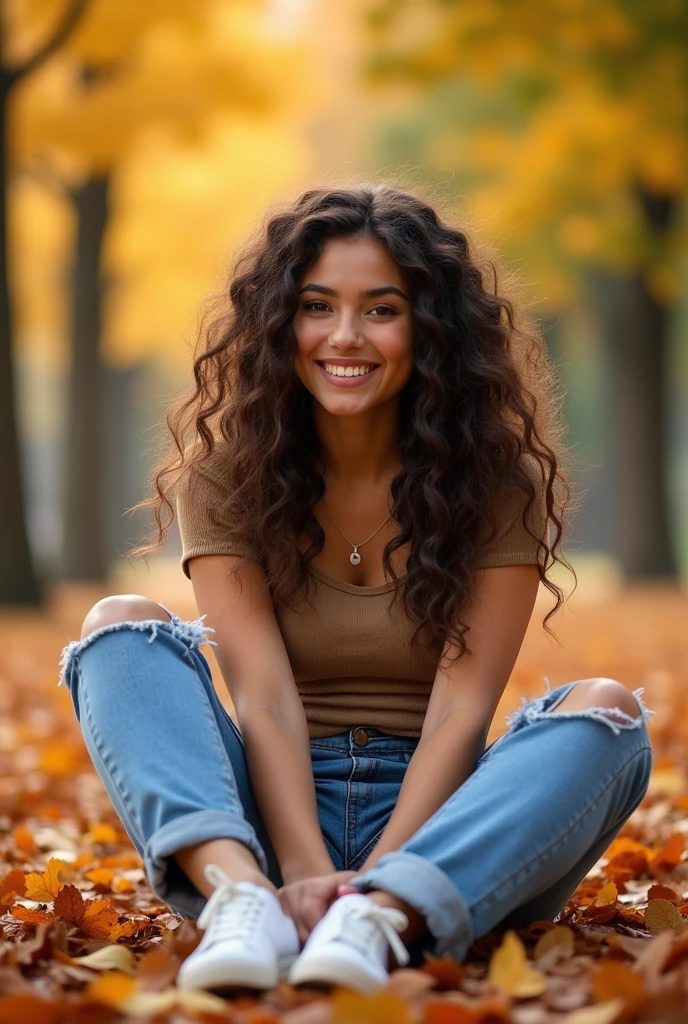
(510, 846)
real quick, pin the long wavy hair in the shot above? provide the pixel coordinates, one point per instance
(479, 414)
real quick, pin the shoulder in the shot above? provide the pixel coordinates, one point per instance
(516, 523)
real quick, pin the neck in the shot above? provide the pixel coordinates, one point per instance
(359, 450)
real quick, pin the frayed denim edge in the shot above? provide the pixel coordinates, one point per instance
(533, 710)
(192, 632)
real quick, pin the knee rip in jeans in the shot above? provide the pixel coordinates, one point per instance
(192, 632)
(615, 718)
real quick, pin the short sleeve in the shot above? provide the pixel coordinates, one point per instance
(512, 544)
(203, 525)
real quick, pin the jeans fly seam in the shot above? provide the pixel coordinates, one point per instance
(548, 849)
(348, 804)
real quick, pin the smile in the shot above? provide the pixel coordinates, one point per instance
(346, 376)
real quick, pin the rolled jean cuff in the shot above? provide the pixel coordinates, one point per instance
(188, 830)
(427, 889)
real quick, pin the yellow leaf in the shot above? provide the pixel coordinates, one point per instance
(45, 887)
(607, 895)
(662, 916)
(196, 1001)
(601, 1013)
(109, 958)
(147, 1004)
(101, 876)
(102, 833)
(556, 944)
(112, 989)
(511, 972)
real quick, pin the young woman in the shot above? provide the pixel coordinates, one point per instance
(372, 494)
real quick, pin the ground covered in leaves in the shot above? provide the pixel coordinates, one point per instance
(84, 939)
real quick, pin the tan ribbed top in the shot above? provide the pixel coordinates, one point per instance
(350, 652)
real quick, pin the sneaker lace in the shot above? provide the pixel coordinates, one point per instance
(231, 912)
(361, 923)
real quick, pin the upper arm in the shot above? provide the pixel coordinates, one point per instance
(497, 620)
(250, 650)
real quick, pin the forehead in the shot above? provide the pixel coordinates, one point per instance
(348, 262)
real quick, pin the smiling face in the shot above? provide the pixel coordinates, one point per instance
(353, 327)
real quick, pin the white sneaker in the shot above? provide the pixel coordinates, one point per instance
(350, 946)
(248, 938)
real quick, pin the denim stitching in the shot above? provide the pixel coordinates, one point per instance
(548, 849)
(191, 632)
(347, 804)
(360, 857)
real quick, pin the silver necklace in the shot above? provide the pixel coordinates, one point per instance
(354, 557)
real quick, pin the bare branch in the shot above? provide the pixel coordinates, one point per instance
(69, 20)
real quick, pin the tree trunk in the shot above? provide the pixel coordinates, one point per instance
(18, 583)
(84, 552)
(636, 332)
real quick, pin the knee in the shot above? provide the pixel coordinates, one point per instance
(121, 608)
(608, 693)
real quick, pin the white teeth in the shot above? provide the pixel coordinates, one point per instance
(347, 371)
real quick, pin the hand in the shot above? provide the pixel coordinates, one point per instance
(308, 900)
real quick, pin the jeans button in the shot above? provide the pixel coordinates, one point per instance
(361, 737)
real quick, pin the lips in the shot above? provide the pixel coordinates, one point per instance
(344, 381)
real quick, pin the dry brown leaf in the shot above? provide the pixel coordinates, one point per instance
(510, 971)
(24, 840)
(44, 887)
(448, 1013)
(26, 1009)
(662, 916)
(446, 972)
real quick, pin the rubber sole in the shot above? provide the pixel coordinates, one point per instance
(234, 974)
(330, 970)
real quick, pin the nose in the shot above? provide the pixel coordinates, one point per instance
(345, 333)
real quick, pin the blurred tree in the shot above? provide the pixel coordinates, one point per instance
(568, 125)
(128, 69)
(18, 583)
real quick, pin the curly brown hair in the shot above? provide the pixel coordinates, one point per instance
(479, 414)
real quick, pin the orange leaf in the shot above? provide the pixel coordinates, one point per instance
(447, 1013)
(13, 884)
(511, 972)
(101, 876)
(20, 1008)
(669, 856)
(613, 980)
(31, 915)
(120, 884)
(663, 892)
(100, 917)
(379, 1008)
(445, 971)
(45, 887)
(112, 988)
(102, 833)
(23, 840)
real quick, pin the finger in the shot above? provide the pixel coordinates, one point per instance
(346, 890)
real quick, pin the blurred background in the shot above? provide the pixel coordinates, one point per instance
(143, 140)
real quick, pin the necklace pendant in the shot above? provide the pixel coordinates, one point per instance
(354, 557)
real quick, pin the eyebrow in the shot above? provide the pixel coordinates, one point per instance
(372, 293)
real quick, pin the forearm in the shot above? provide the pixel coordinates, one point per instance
(278, 757)
(443, 759)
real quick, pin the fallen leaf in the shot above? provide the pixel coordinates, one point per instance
(26, 1009)
(44, 887)
(445, 970)
(668, 857)
(101, 876)
(663, 892)
(32, 915)
(602, 1013)
(607, 895)
(556, 944)
(662, 916)
(447, 1013)
(614, 980)
(378, 1008)
(24, 840)
(157, 969)
(13, 884)
(108, 958)
(112, 989)
(409, 984)
(510, 971)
